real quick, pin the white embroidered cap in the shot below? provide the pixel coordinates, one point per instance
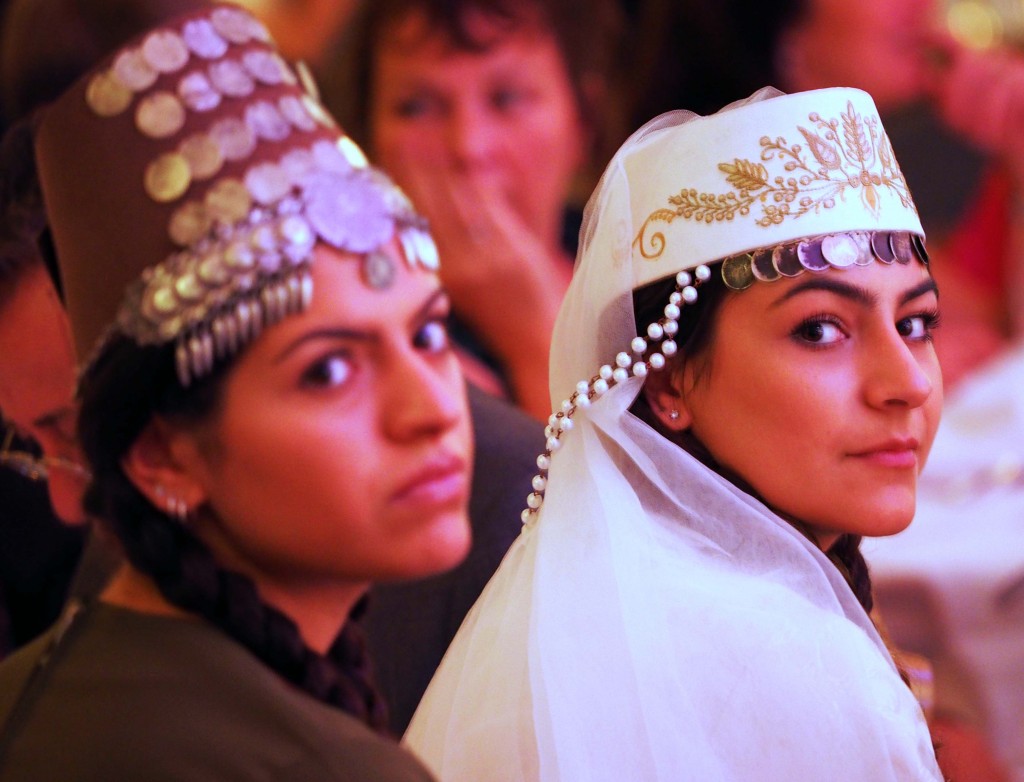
(760, 175)
(773, 186)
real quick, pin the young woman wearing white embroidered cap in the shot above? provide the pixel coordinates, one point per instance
(745, 385)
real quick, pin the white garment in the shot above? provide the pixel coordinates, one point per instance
(657, 623)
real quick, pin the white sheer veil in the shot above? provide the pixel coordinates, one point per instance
(655, 622)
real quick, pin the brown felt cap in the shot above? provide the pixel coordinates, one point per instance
(193, 127)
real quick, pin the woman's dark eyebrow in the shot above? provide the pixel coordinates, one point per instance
(352, 335)
(356, 335)
(854, 293)
(927, 286)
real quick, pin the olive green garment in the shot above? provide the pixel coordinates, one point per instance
(130, 696)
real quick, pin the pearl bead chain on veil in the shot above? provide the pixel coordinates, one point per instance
(660, 333)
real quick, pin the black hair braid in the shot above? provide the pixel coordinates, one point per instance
(846, 553)
(350, 654)
(847, 556)
(119, 395)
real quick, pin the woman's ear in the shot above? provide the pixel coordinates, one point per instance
(661, 390)
(165, 466)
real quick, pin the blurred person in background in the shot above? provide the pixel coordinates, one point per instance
(40, 466)
(486, 112)
(47, 549)
(37, 367)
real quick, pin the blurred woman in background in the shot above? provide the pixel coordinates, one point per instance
(486, 112)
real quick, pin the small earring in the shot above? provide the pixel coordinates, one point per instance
(174, 506)
(673, 414)
(179, 510)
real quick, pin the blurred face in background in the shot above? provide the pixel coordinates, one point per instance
(37, 382)
(504, 115)
(879, 46)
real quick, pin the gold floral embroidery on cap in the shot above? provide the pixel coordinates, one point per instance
(848, 153)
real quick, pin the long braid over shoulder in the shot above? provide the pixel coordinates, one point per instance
(350, 654)
(846, 552)
(124, 389)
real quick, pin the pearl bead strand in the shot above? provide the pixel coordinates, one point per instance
(659, 334)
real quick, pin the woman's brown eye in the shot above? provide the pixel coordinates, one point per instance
(818, 331)
(432, 337)
(328, 372)
(918, 326)
(813, 332)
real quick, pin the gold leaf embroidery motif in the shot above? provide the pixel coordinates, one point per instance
(848, 153)
(744, 175)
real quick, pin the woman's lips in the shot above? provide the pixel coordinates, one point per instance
(442, 481)
(897, 453)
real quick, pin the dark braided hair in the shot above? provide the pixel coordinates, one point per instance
(120, 394)
(697, 326)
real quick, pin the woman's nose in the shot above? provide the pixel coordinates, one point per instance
(429, 398)
(471, 137)
(897, 375)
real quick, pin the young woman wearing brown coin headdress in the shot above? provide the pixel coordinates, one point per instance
(270, 411)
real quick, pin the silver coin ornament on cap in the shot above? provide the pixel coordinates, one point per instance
(198, 93)
(165, 51)
(133, 70)
(203, 40)
(835, 251)
(246, 238)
